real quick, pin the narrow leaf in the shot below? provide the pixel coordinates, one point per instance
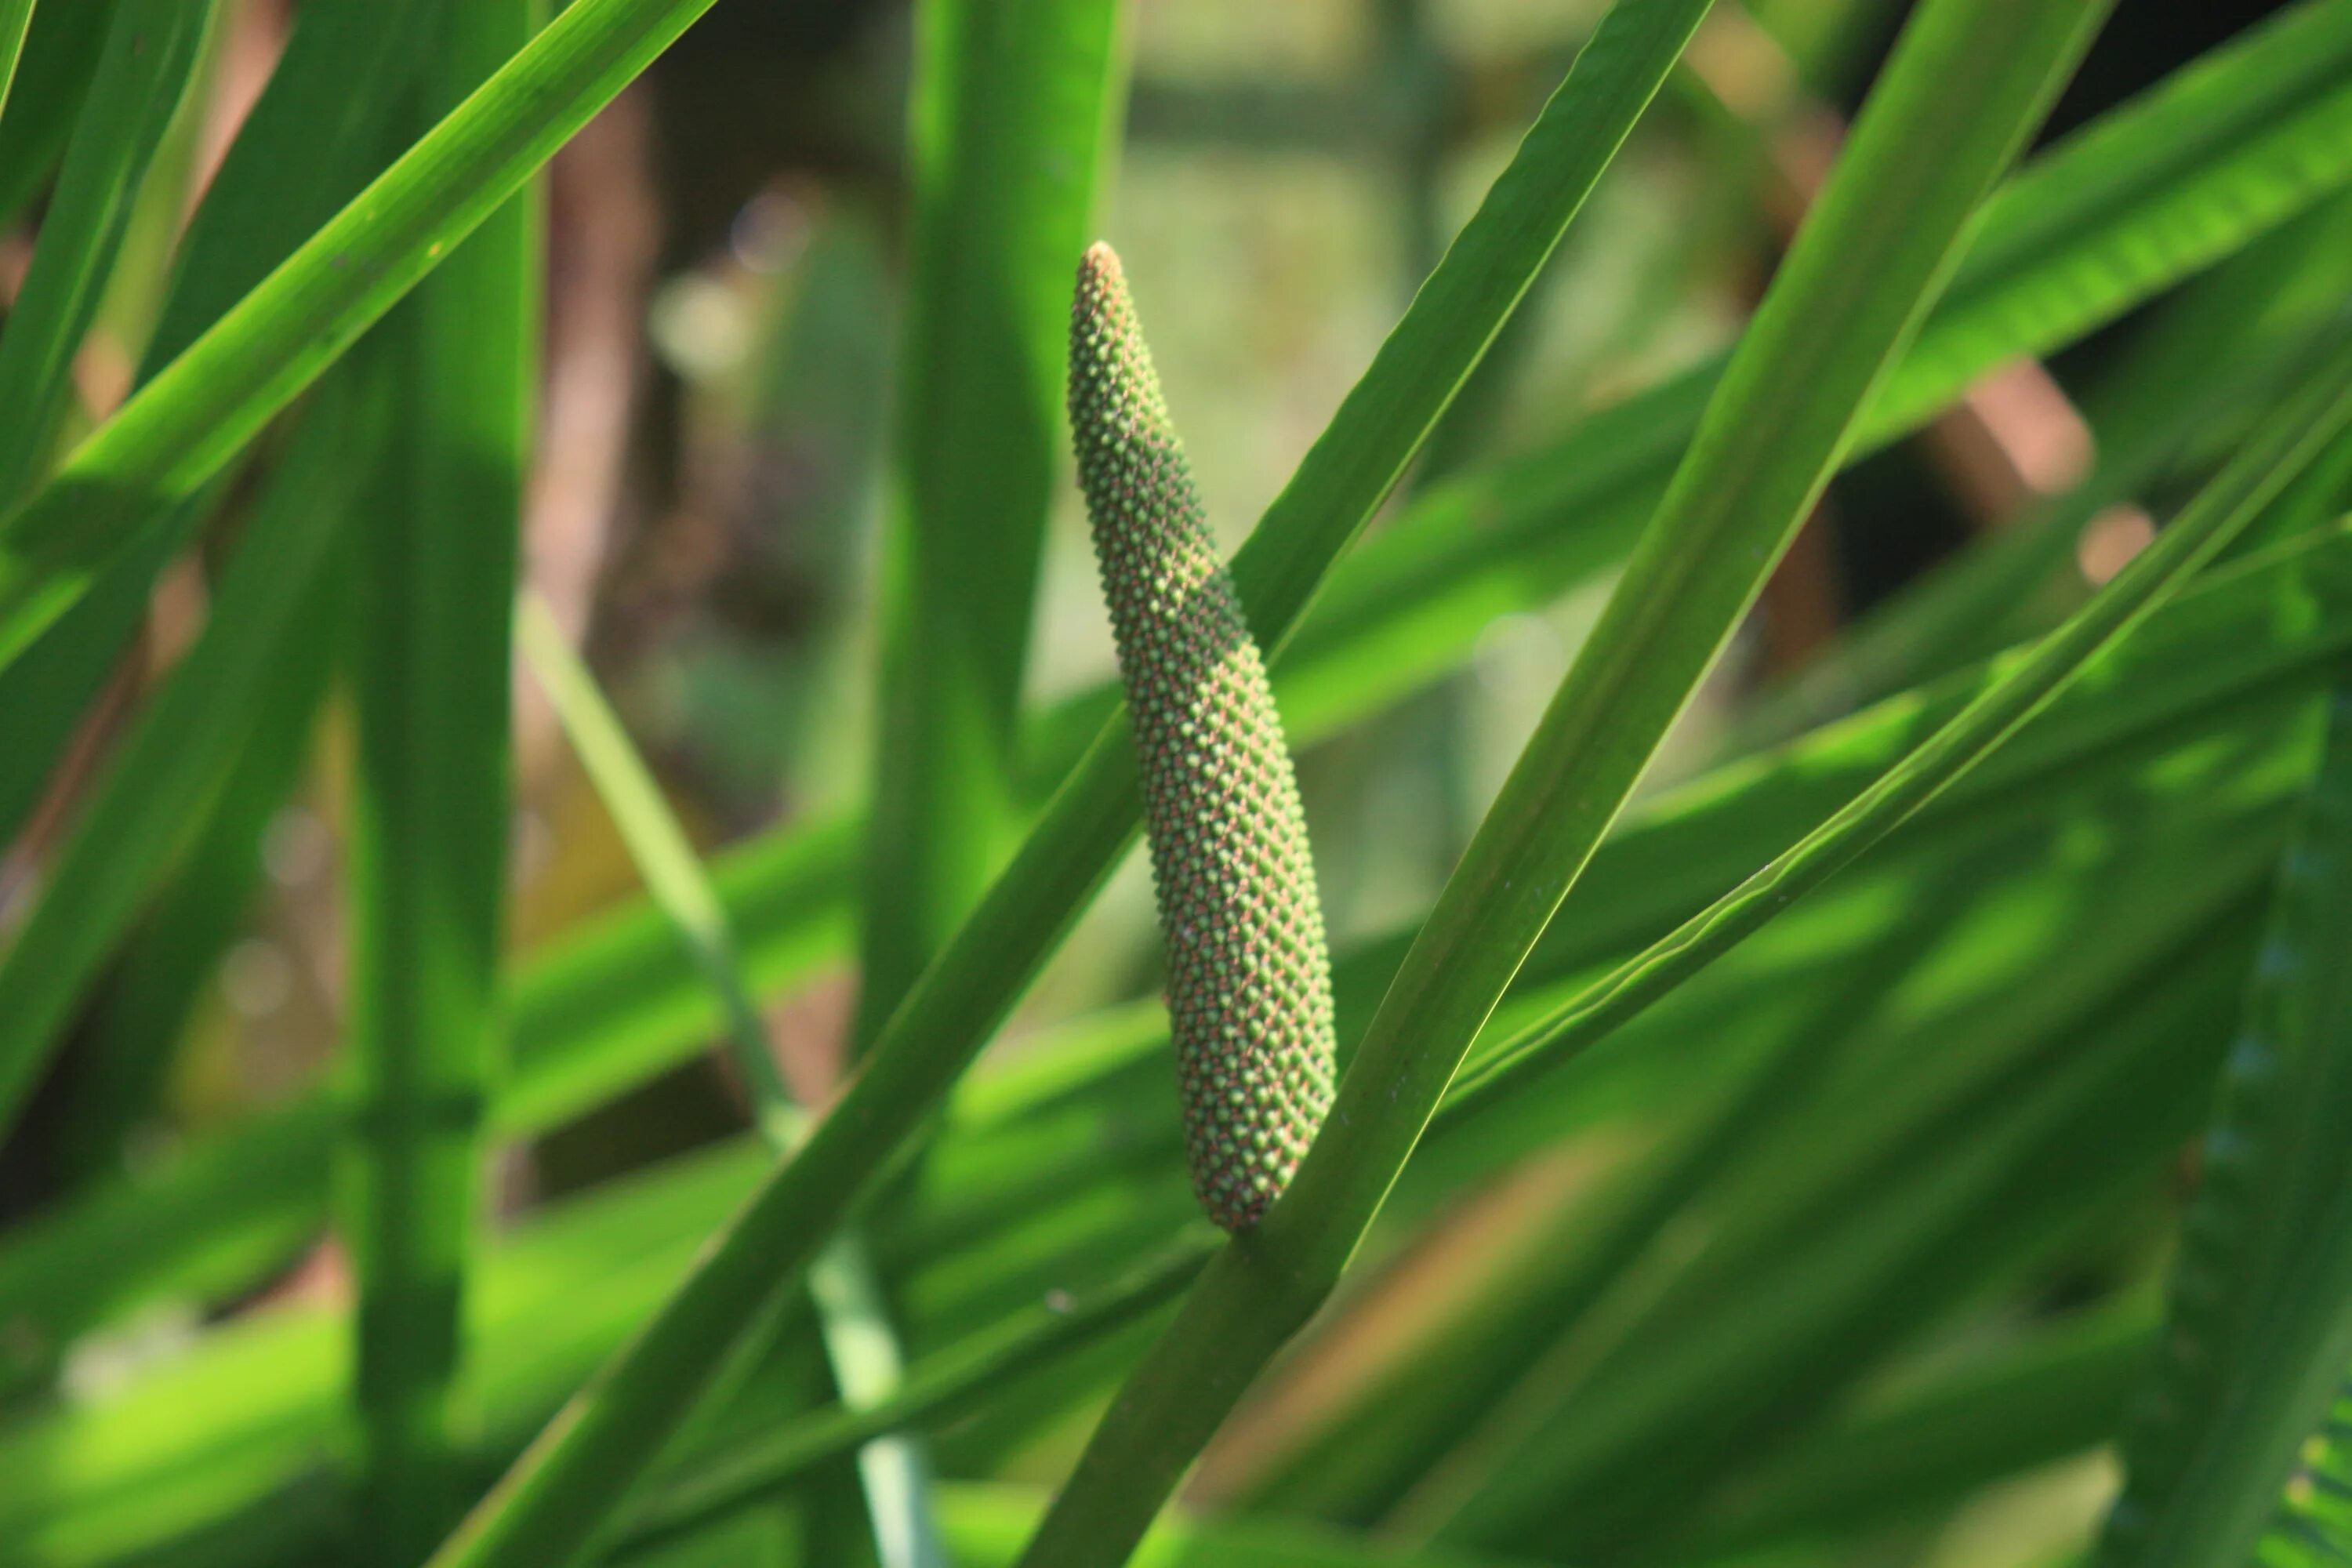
(1014, 111)
(860, 1340)
(430, 812)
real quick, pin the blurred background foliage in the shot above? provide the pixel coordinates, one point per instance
(1931, 1248)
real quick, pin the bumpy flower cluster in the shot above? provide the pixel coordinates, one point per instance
(1249, 976)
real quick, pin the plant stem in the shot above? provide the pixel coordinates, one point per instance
(430, 817)
(1014, 117)
(853, 1317)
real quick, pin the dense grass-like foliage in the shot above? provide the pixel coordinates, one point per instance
(1812, 645)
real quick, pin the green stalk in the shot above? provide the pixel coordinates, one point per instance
(1016, 114)
(150, 58)
(664, 857)
(430, 821)
(549, 1505)
(1966, 85)
(160, 447)
(861, 1345)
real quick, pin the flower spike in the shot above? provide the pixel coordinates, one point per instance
(1249, 974)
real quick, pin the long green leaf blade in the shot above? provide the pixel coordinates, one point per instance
(860, 1341)
(2061, 1392)
(1015, 115)
(126, 1051)
(1016, 110)
(427, 876)
(708, 1489)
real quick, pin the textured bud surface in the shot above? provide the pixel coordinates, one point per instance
(1249, 977)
